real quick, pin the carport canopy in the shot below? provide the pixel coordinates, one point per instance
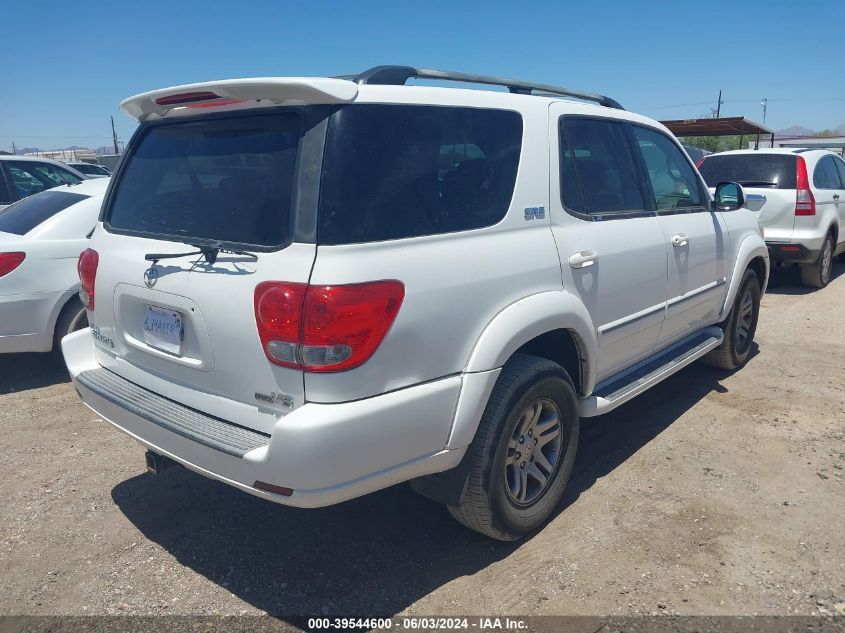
(724, 126)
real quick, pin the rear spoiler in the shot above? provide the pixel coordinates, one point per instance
(274, 89)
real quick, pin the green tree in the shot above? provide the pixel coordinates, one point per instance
(717, 143)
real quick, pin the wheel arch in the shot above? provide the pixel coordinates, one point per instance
(752, 253)
(834, 229)
(530, 325)
(60, 306)
(552, 325)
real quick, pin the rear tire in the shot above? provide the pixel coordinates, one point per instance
(72, 318)
(740, 326)
(818, 275)
(522, 456)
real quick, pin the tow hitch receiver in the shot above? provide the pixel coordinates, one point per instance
(157, 463)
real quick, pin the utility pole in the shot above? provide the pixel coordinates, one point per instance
(114, 136)
(719, 103)
(765, 103)
(14, 149)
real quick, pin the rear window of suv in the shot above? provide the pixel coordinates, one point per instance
(395, 171)
(25, 215)
(776, 171)
(226, 180)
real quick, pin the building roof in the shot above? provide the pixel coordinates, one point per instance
(814, 141)
(725, 126)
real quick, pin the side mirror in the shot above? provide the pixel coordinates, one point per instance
(729, 196)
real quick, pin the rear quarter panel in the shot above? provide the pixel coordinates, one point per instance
(455, 284)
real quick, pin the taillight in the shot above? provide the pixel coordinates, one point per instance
(700, 160)
(87, 268)
(805, 202)
(325, 328)
(10, 261)
(278, 314)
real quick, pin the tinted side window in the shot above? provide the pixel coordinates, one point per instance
(597, 170)
(832, 175)
(394, 171)
(25, 215)
(672, 178)
(820, 176)
(840, 167)
(32, 177)
(5, 194)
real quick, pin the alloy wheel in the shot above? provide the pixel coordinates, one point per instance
(534, 452)
(827, 259)
(742, 332)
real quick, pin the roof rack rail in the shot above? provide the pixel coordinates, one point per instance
(398, 75)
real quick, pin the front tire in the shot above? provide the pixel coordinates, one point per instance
(523, 453)
(818, 275)
(740, 326)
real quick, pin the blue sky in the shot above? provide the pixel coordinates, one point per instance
(69, 64)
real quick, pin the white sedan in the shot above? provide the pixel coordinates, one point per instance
(40, 240)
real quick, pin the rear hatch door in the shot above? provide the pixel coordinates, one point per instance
(769, 181)
(202, 211)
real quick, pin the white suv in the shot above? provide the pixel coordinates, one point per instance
(800, 197)
(314, 288)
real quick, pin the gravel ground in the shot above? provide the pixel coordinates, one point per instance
(711, 494)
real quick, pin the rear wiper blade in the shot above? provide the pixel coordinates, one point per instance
(154, 257)
(757, 183)
(209, 251)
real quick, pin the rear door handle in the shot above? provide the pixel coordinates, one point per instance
(680, 239)
(583, 259)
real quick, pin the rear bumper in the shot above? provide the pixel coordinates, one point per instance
(324, 453)
(792, 252)
(25, 322)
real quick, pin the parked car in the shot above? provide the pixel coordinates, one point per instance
(91, 170)
(41, 238)
(380, 283)
(22, 176)
(799, 195)
(696, 154)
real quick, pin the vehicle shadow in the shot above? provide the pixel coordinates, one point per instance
(20, 372)
(787, 281)
(607, 441)
(375, 555)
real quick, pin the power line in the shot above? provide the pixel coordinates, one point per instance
(685, 105)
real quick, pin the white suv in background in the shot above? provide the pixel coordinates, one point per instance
(22, 176)
(799, 195)
(314, 288)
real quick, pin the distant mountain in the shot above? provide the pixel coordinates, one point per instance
(795, 130)
(33, 150)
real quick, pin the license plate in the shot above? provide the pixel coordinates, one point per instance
(163, 329)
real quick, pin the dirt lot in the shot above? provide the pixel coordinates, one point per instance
(712, 494)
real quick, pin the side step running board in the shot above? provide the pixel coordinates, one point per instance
(618, 389)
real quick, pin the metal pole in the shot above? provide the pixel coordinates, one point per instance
(719, 103)
(114, 136)
(765, 103)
